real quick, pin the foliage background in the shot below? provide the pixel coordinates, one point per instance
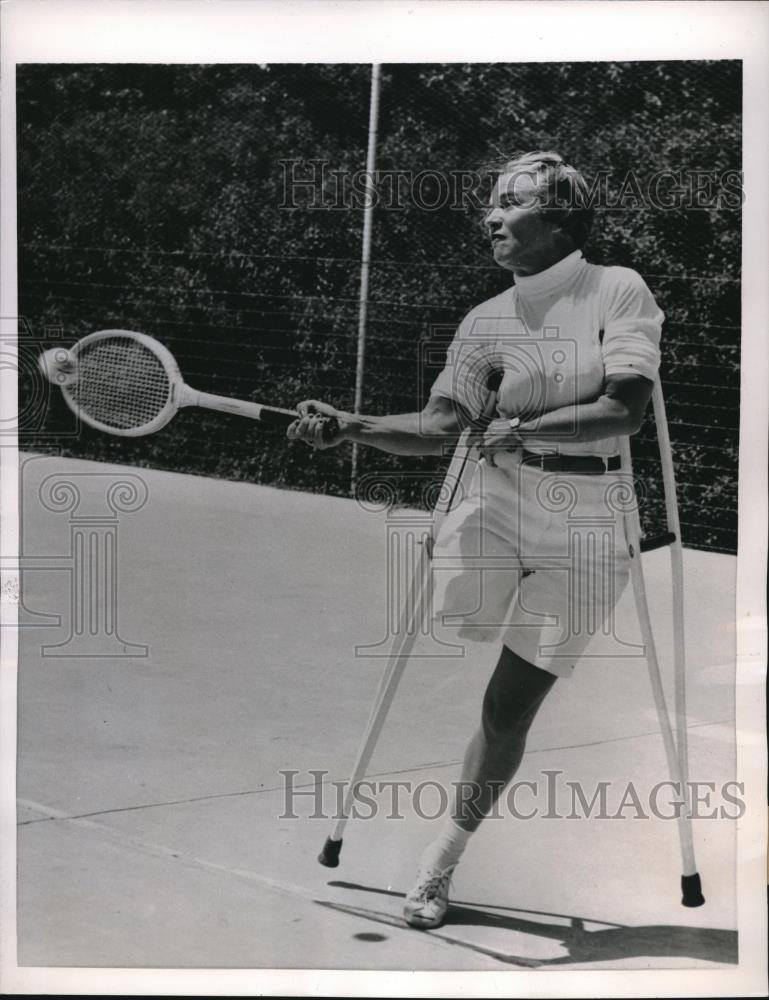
(150, 199)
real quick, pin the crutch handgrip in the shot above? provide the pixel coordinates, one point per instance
(658, 541)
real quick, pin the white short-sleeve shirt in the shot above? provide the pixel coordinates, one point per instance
(556, 335)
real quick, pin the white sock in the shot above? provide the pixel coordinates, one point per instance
(447, 848)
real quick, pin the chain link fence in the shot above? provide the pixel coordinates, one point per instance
(219, 209)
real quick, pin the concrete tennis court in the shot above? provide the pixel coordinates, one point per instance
(150, 793)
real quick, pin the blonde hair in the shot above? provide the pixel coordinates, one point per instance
(562, 192)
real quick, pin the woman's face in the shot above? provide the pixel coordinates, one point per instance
(522, 240)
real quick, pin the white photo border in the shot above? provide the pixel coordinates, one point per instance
(391, 31)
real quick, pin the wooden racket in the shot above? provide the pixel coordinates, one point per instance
(126, 383)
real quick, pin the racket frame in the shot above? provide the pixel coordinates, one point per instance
(166, 359)
(179, 394)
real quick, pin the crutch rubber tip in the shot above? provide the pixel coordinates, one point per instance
(329, 856)
(691, 887)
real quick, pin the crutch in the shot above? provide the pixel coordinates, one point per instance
(459, 471)
(677, 752)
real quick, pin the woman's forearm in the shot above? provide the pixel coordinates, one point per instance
(603, 418)
(428, 434)
(399, 433)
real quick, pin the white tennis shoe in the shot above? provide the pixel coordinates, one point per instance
(428, 901)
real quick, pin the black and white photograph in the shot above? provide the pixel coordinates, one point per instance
(384, 499)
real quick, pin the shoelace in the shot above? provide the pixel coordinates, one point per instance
(431, 888)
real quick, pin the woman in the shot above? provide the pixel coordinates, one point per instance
(536, 554)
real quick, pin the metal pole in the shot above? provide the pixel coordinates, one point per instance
(365, 262)
(677, 569)
(675, 751)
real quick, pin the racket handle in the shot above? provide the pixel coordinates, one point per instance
(282, 419)
(330, 428)
(272, 416)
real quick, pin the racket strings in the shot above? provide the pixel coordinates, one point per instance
(121, 383)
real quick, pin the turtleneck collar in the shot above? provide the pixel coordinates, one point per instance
(544, 282)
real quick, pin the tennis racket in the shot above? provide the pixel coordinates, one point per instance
(128, 384)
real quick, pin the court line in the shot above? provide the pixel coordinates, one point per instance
(166, 853)
(53, 817)
(152, 850)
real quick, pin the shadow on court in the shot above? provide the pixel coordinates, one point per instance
(609, 943)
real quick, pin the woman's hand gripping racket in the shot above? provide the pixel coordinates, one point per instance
(128, 384)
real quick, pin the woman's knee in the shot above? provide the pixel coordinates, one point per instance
(503, 721)
(513, 696)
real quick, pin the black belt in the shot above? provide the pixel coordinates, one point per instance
(578, 465)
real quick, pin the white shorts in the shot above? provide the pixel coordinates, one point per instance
(536, 558)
